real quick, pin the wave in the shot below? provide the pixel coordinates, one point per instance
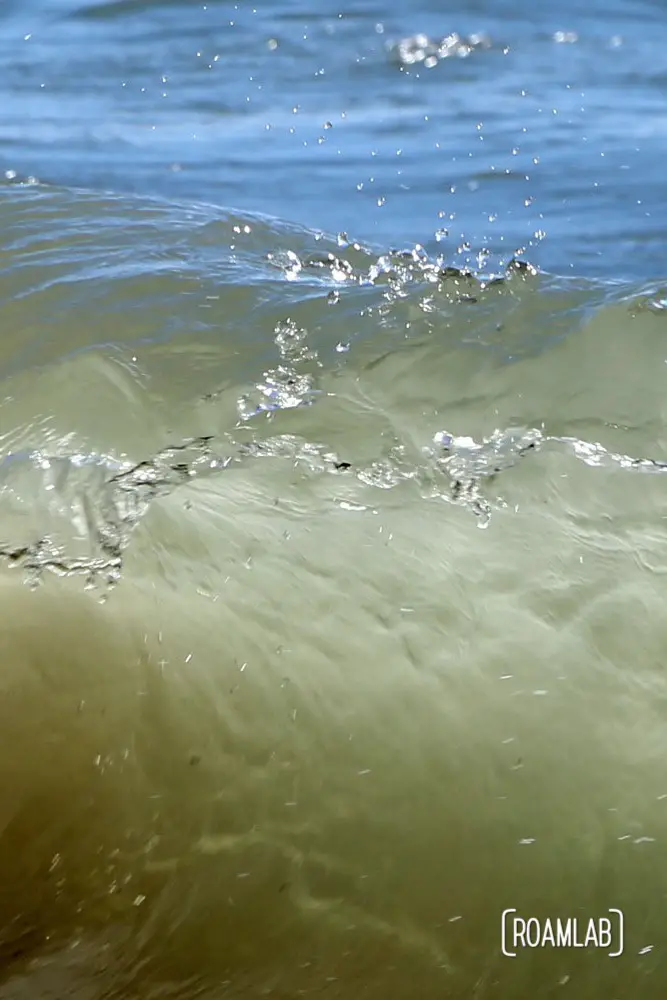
(276, 715)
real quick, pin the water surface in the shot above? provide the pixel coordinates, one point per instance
(331, 573)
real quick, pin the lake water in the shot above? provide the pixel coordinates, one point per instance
(332, 497)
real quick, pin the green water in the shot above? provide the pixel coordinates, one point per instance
(296, 696)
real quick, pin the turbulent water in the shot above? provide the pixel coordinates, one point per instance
(331, 563)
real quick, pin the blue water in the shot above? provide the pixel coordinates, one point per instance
(550, 139)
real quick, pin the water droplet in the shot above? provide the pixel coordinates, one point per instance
(565, 37)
